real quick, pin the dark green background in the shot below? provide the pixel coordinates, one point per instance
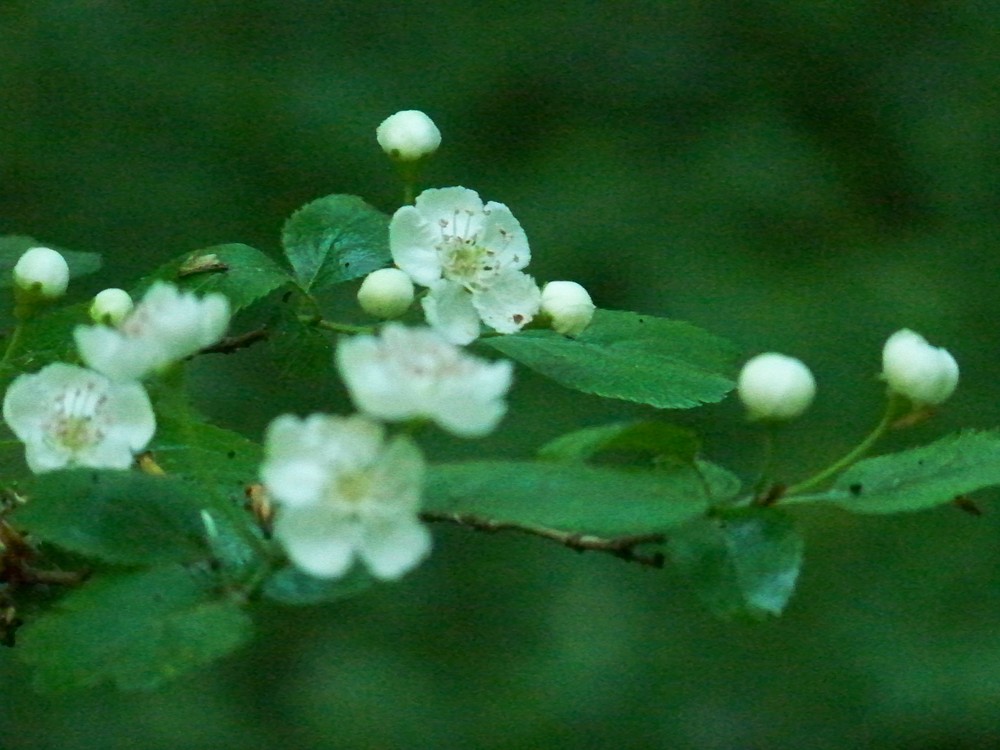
(799, 176)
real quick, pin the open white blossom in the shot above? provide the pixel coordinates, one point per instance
(43, 270)
(408, 135)
(70, 416)
(470, 256)
(344, 493)
(925, 374)
(774, 386)
(413, 373)
(166, 326)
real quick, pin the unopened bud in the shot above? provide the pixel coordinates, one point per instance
(386, 293)
(925, 374)
(776, 387)
(110, 306)
(42, 270)
(568, 306)
(408, 135)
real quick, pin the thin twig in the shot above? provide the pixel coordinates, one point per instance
(622, 547)
(231, 344)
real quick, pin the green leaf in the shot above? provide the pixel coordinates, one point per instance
(120, 517)
(13, 246)
(918, 478)
(588, 500)
(135, 630)
(665, 363)
(743, 563)
(48, 338)
(290, 585)
(656, 440)
(242, 273)
(335, 239)
(301, 352)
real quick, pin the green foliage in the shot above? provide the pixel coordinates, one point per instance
(656, 440)
(242, 273)
(13, 246)
(665, 363)
(335, 239)
(742, 563)
(599, 501)
(290, 585)
(120, 517)
(918, 478)
(135, 630)
(301, 352)
(49, 338)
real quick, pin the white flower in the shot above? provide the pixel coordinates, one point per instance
(69, 416)
(166, 326)
(773, 386)
(470, 256)
(410, 373)
(111, 306)
(408, 135)
(925, 374)
(344, 493)
(386, 293)
(44, 270)
(568, 306)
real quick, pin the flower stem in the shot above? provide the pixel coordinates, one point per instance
(331, 325)
(892, 408)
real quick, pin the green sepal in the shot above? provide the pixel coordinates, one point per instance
(335, 239)
(668, 364)
(742, 563)
(135, 630)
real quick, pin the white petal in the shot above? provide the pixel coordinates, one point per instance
(399, 477)
(509, 303)
(502, 234)
(372, 382)
(131, 415)
(413, 242)
(449, 309)
(390, 550)
(452, 210)
(294, 482)
(319, 543)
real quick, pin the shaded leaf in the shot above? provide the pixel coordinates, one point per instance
(120, 517)
(743, 563)
(588, 500)
(290, 585)
(135, 630)
(656, 440)
(665, 363)
(335, 239)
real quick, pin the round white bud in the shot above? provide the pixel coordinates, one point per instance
(386, 293)
(925, 374)
(43, 270)
(111, 306)
(774, 386)
(408, 135)
(568, 306)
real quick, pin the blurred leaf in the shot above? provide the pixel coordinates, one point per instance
(656, 440)
(120, 517)
(13, 246)
(335, 239)
(47, 338)
(588, 500)
(665, 363)
(291, 586)
(136, 630)
(301, 351)
(744, 563)
(918, 478)
(242, 273)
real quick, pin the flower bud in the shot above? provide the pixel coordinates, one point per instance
(43, 270)
(408, 135)
(773, 386)
(110, 306)
(386, 293)
(568, 306)
(925, 374)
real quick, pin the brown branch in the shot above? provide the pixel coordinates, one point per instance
(622, 547)
(230, 344)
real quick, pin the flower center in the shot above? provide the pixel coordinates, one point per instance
(353, 487)
(73, 424)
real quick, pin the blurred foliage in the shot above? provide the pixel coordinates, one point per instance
(799, 176)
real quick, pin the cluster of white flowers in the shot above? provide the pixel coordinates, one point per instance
(776, 387)
(100, 416)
